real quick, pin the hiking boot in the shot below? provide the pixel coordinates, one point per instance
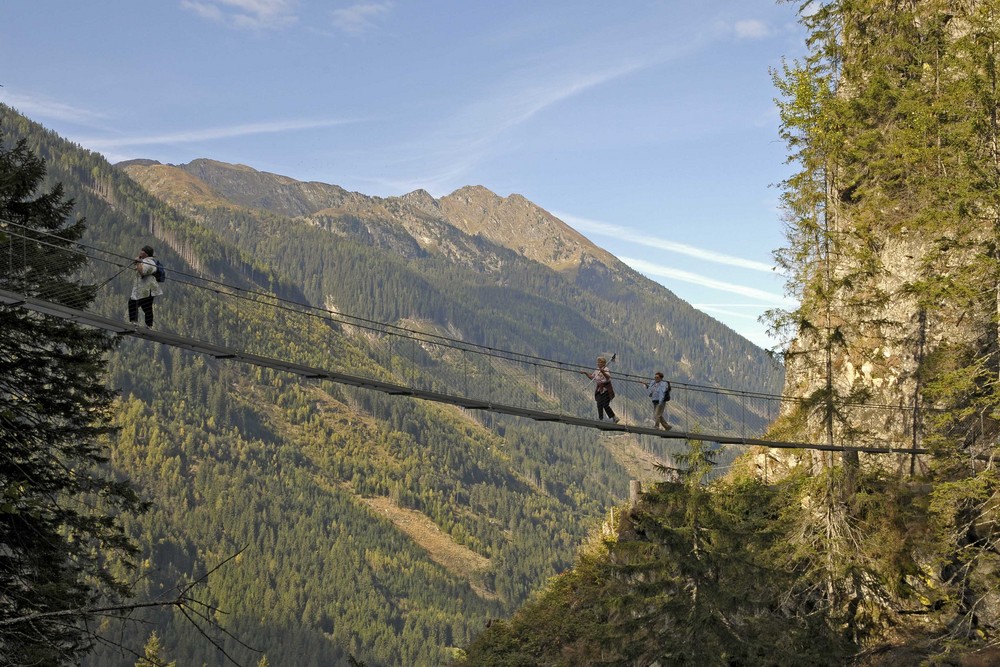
(667, 427)
(616, 419)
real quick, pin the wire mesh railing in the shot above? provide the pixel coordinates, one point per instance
(418, 355)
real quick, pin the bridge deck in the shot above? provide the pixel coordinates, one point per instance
(119, 327)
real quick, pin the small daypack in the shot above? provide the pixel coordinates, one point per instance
(161, 273)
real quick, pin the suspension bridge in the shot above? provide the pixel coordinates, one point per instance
(247, 325)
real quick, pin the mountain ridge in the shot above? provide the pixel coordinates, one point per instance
(513, 221)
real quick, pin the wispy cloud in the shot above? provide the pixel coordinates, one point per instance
(38, 107)
(536, 83)
(359, 17)
(752, 29)
(445, 155)
(615, 231)
(441, 158)
(245, 14)
(652, 269)
(211, 134)
(735, 314)
(473, 133)
(518, 104)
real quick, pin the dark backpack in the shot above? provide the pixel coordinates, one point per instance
(161, 273)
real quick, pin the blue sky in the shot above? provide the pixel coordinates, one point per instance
(648, 126)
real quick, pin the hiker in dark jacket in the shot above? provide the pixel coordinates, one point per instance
(603, 391)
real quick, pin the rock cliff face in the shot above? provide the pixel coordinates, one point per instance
(894, 333)
(897, 263)
(870, 345)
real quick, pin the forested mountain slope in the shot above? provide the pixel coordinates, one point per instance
(469, 230)
(313, 484)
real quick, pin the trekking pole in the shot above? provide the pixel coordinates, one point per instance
(110, 279)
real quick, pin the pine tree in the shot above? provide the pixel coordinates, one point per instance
(59, 536)
(152, 655)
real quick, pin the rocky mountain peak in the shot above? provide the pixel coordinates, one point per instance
(522, 226)
(422, 200)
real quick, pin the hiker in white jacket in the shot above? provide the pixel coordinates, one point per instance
(144, 288)
(659, 392)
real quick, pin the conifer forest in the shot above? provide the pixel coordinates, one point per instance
(163, 507)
